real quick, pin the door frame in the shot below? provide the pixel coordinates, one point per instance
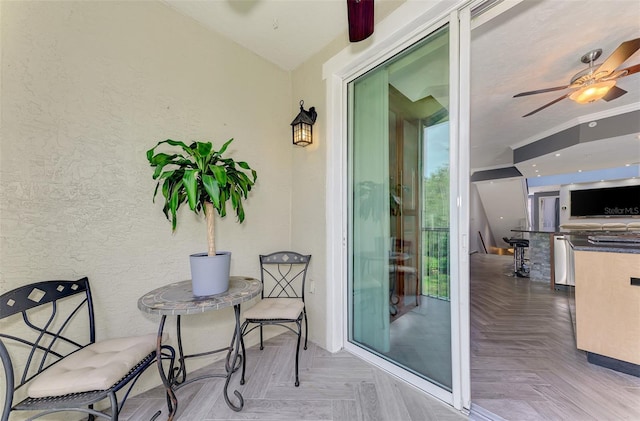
(535, 207)
(410, 23)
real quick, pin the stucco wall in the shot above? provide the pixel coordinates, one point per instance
(309, 195)
(87, 89)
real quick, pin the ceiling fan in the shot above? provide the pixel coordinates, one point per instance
(595, 82)
(360, 14)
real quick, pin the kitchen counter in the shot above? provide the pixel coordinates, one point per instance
(539, 254)
(607, 298)
(542, 255)
(619, 243)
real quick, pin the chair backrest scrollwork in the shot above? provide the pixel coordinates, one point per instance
(284, 274)
(52, 325)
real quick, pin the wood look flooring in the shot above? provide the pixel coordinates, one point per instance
(524, 361)
(524, 366)
(333, 387)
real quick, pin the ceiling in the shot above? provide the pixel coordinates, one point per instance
(285, 32)
(533, 45)
(538, 44)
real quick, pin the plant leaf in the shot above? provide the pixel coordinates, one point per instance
(212, 188)
(183, 145)
(222, 210)
(224, 147)
(204, 148)
(160, 158)
(174, 202)
(190, 184)
(240, 212)
(155, 191)
(220, 174)
(172, 143)
(234, 198)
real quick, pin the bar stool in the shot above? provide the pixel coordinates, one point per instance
(520, 268)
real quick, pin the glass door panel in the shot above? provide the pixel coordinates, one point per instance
(398, 241)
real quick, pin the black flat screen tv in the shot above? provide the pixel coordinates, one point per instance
(613, 201)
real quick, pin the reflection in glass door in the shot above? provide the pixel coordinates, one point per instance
(399, 307)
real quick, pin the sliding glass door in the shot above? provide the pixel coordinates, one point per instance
(398, 152)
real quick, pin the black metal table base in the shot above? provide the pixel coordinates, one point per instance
(177, 375)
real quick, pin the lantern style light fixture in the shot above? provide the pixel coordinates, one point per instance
(302, 126)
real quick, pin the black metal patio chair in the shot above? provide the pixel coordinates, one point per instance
(51, 360)
(283, 275)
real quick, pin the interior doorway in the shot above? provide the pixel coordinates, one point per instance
(546, 211)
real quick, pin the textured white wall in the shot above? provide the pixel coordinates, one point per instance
(87, 88)
(308, 195)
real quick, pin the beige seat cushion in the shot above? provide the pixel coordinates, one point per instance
(275, 308)
(95, 367)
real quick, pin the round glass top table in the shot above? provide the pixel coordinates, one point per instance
(177, 299)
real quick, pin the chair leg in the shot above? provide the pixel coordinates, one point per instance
(115, 412)
(306, 328)
(299, 323)
(261, 344)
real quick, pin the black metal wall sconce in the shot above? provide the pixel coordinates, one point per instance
(302, 126)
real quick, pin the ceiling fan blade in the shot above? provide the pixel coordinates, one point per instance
(619, 74)
(614, 93)
(630, 70)
(360, 14)
(548, 104)
(623, 52)
(541, 91)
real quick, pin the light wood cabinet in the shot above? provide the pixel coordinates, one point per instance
(607, 305)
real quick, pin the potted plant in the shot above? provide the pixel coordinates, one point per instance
(205, 179)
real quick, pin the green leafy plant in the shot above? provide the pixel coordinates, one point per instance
(202, 177)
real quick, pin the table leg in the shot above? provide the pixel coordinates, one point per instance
(172, 402)
(232, 363)
(177, 375)
(181, 370)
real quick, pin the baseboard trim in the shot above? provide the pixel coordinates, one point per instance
(614, 364)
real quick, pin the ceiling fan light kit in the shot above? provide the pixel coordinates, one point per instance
(595, 82)
(592, 92)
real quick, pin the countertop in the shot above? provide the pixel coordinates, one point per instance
(535, 232)
(572, 232)
(603, 242)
